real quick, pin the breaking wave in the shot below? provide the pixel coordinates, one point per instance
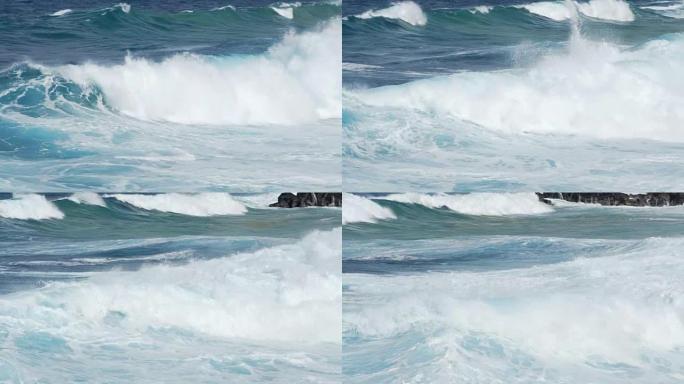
(203, 204)
(29, 207)
(358, 209)
(482, 204)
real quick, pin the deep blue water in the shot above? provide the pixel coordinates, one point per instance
(101, 32)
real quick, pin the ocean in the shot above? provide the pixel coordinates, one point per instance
(169, 96)
(173, 288)
(501, 288)
(513, 95)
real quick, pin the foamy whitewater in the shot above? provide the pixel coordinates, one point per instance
(118, 293)
(151, 97)
(203, 204)
(581, 294)
(560, 96)
(407, 11)
(358, 209)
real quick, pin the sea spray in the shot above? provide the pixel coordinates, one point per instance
(294, 82)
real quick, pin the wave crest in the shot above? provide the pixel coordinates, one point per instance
(613, 10)
(284, 293)
(358, 209)
(595, 89)
(29, 207)
(202, 204)
(296, 81)
(485, 204)
(88, 198)
(407, 11)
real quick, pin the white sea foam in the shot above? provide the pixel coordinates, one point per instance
(407, 11)
(29, 207)
(289, 293)
(89, 198)
(614, 10)
(484, 9)
(601, 317)
(61, 12)
(552, 10)
(262, 200)
(297, 81)
(489, 204)
(358, 209)
(201, 204)
(124, 7)
(286, 10)
(594, 89)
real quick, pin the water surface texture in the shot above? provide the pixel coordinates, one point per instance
(500, 288)
(172, 288)
(513, 95)
(169, 96)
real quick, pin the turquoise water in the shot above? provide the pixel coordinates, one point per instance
(574, 293)
(512, 95)
(168, 288)
(145, 96)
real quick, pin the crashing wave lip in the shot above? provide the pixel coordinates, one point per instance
(611, 10)
(407, 11)
(358, 209)
(478, 204)
(297, 81)
(201, 204)
(29, 207)
(594, 89)
(124, 7)
(286, 10)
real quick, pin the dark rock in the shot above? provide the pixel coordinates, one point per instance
(308, 199)
(650, 199)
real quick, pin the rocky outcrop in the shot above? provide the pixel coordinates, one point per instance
(308, 199)
(651, 199)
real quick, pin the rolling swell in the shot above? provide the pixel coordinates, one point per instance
(584, 293)
(482, 323)
(200, 302)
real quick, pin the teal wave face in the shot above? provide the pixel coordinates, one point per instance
(416, 221)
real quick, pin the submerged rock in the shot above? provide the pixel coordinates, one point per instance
(650, 199)
(308, 199)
